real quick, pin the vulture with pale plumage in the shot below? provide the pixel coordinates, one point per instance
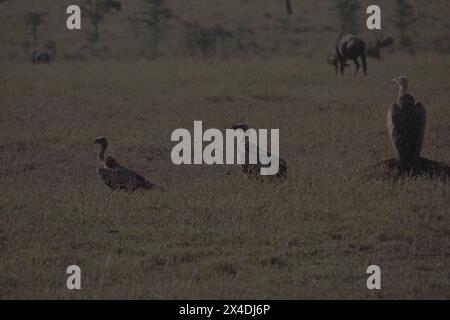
(406, 121)
(255, 169)
(116, 176)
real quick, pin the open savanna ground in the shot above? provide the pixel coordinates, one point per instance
(212, 233)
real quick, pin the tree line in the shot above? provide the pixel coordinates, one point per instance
(155, 19)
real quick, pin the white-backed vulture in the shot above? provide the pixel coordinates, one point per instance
(406, 121)
(255, 169)
(116, 176)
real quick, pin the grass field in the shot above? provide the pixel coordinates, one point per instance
(213, 233)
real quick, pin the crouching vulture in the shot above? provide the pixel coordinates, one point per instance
(253, 170)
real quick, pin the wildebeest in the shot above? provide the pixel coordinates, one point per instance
(374, 52)
(350, 47)
(112, 4)
(386, 42)
(381, 43)
(41, 57)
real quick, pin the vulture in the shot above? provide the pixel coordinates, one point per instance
(252, 170)
(115, 175)
(406, 121)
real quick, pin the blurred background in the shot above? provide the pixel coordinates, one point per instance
(214, 29)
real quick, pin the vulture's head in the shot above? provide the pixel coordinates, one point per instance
(401, 81)
(244, 127)
(101, 141)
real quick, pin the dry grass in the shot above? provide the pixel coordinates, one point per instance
(214, 233)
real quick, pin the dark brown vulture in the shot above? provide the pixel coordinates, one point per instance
(406, 121)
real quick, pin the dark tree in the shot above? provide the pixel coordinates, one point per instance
(289, 7)
(205, 38)
(405, 21)
(94, 10)
(242, 32)
(348, 15)
(33, 21)
(51, 47)
(155, 17)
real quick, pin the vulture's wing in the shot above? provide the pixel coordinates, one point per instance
(137, 178)
(422, 121)
(254, 150)
(122, 178)
(394, 124)
(392, 117)
(418, 124)
(113, 178)
(406, 127)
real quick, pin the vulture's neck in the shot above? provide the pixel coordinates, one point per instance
(101, 153)
(402, 90)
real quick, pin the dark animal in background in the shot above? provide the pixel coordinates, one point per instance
(350, 47)
(112, 4)
(386, 42)
(406, 121)
(253, 170)
(116, 176)
(374, 52)
(381, 43)
(41, 57)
